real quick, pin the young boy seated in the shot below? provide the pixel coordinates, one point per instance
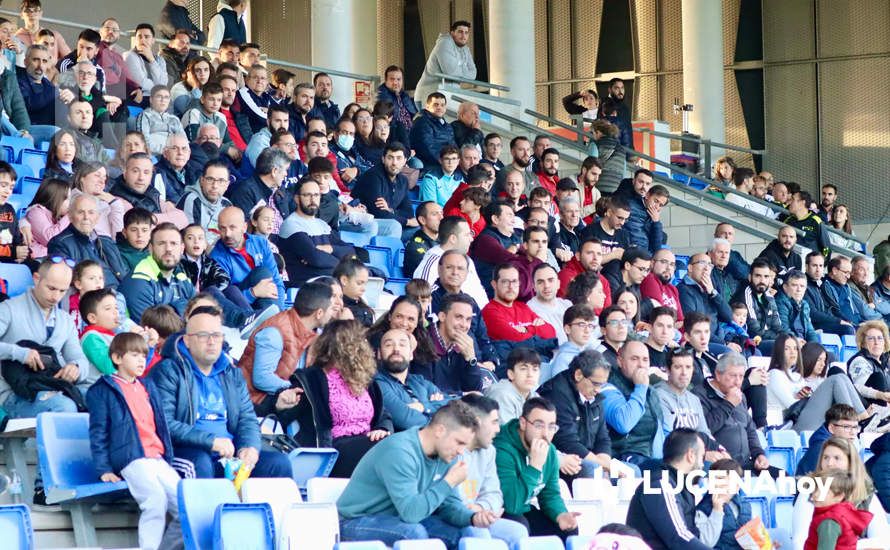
(579, 322)
(155, 123)
(202, 270)
(837, 523)
(737, 331)
(129, 437)
(133, 240)
(99, 309)
(12, 244)
(164, 320)
(339, 210)
(208, 113)
(718, 531)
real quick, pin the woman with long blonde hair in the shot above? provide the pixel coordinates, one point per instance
(341, 404)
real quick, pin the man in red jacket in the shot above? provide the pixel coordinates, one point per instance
(657, 284)
(511, 320)
(588, 258)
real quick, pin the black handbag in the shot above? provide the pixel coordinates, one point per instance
(792, 413)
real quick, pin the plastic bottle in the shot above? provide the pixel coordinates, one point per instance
(15, 487)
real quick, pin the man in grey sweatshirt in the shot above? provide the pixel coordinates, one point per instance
(680, 408)
(481, 490)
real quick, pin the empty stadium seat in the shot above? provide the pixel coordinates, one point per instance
(394, 244)
(361, 545)
(782, 512)
(592, 515)
(309, 462)
(16, 528)
(315, 526)
(396, 286)
(134, 111)
(783, 438)
(18, 278)
(849, 347)
(325, 489)
(22, 170)
(682, 178)
(593, 489)
(380, 257)
(278, 493)
(760, 507)
(782, 457)
(69, 475)
(578, 542)
(35, 159)
(16, 145)
(474, 543)
(419, 544)
(372, 291)
(540, 543)
(564, 491)
(356, 238)
(832, 343)
(237, 526)
(805, 436)
(198, 500)
(27, 187)
(696, 183)
(18, 203)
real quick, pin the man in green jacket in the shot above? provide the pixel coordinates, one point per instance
(404, 488)
(528, 467)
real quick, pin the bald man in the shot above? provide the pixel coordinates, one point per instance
(248, 260)
(411, 399)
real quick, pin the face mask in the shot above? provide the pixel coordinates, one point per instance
(345, 142)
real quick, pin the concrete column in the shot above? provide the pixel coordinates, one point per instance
(703, 68)
(511, 48)
(344, 38)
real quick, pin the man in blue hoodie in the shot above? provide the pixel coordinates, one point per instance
(248, 260)
(206, 405)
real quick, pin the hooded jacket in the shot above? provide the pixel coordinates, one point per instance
(851, 520)
(520, 481)
(809, 462)
(177, 384)
(645, 233)
(238, 269)
(446, 58)
(110, 417)
(146, 287)
(199, 209)
(251, 193)
(795, 318)
(633, 414)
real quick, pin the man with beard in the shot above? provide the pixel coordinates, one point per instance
(541, 144)
(657, 284)
(591, 168)
(548, 176)
(309, 247)
(38, 92)
(176, 55)
(384, 190)
(324, 88)
(248, 260)
(545, 303)
(521, 151)
(616, 94)
(451, 56)
(829, 199)
(763, 314)
(302, 108)
(410, 399)
(780, 252)
(588, 259)
(277, 119)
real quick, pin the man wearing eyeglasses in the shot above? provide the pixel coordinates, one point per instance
(636, 263)
(579, 324)
(528, 468)
(614, 327)
(839, 296)
(657, 284)
(176, 169)
(264, 187)
(697, 293)
(205, 400)
(204, 200)
(842, 421)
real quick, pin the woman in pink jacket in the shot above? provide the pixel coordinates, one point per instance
(47, 214)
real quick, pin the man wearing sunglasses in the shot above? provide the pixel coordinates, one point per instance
(34, 316)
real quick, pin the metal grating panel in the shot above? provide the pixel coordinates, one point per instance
(670, 86)
(390, 34)
(282, 29)
(854, 137)
(542, 56)
(560, 31)
(647, 36)
(463, 9)
(791, 123)
(788, 30)
(670, 31)
(853, 27)
(730, 30)
(586, 34)
(646, 98)
(435, 18)
(735, 127)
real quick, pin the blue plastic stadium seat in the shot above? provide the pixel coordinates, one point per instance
(781, 512)
(540, 543)
(134, 111)
(18, 278)
(65, 460)
(289, 296)
(760, 507)
(419, 544)
(395, 246)
(832, 344)
(396, 286)
(35, 159)
(237, 526)
(783, 438)
(850, 348)
(309, 462)
(696, 183)
(362, 545)
(17, 145)
(473, 543)
(682, 178)
(8, 153)
(805, 436)
(380, 257)
(661, 173)
(198, 500)
(44, 146)
(782, 457)
(355, 238)
(21, 170)
(29, 188)
(414, 205)
(578, 542)
(16, 528)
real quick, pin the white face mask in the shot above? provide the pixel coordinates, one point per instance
(345, 142)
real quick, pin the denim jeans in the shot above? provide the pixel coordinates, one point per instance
(46, 401)
(270, 464)
(506, 530)
(390, 529)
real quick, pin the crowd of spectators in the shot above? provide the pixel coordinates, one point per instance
(545, 333)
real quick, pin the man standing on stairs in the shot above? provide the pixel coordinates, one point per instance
(450, 56)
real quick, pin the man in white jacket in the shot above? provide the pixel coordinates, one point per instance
(481, 490)
(450, 56)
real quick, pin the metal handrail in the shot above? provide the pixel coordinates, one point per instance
(699, 140)
(481, 96)
(552, 121)
(374, 79)
(479, 83)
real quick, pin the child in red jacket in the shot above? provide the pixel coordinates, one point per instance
(837, 523)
